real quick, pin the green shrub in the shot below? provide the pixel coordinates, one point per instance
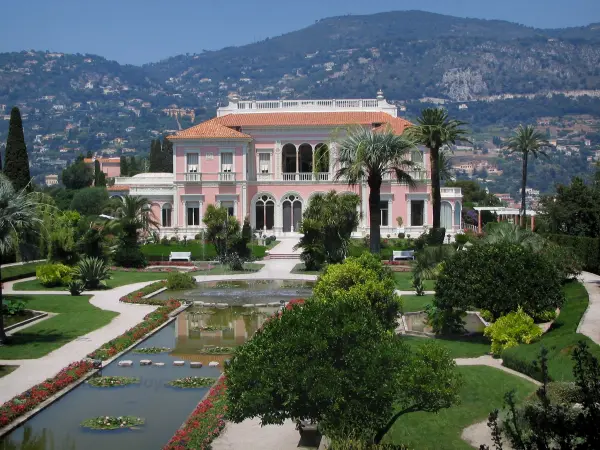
(165, 241)
(445, 321)
(76, 287)
(486, 315)
(12, 307)
(565, 259)
(500, 278)
(180, 280)
(511, 330)
(586, 249)
(365, 278)
(545, 316)
(51, 275)
(92, 272)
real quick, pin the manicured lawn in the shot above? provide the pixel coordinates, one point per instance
(482, 392)
(5, 370)
(118, 278)
(358, 247)
(458, 347)
(559, 341)
(299, 268)
(404, 282)
(414, 303)
(19, 271)
(76, 317)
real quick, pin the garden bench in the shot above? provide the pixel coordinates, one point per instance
(403, 255)
(180, 255)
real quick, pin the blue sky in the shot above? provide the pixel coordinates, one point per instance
(140, 31)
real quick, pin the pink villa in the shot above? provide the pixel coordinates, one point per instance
(110, 166)
(256, 159)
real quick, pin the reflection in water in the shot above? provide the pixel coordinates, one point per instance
(42, 440)
(200, 328)
(164, 408)
(240, 292)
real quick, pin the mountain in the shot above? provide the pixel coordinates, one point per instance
(77, 103)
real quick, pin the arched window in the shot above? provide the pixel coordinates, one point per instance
(265, 212)
(446, 216)
(458, 214)
(167, 215)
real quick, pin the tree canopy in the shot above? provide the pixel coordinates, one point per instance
(78, 175)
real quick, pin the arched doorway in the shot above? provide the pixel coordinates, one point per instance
(458, 214)
(289, 158)
(292, 213)
(264, 212)
(446, 216)
(305, 159)
(321, 158)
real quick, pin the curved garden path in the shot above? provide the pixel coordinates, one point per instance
(590, 322)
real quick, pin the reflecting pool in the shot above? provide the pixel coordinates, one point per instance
(238, 292)
(190, 336)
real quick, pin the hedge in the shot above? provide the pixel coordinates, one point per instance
(587, 249)
(560, 340)
(160, 252)
(20, 271)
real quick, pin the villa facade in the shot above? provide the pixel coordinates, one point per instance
(266, 159)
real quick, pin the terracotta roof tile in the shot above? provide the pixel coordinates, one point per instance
(312, 119)
(222, 127)
(118, 187)
(209, 130)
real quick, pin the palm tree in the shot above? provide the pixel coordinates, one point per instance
(18, 215)
(526, 141)
(445, 165)
(435, 130)
(373, 155)
(508, 233)
(134, 215)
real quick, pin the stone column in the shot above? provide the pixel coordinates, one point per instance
(390, 214)
(297, 162)
(479, 221)
(408, 213)
(313, 164)
(365, 206)
(278, 219)
(245, 162)
(244, 202)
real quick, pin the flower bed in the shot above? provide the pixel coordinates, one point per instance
(217, 350)
(150, 322)
(192, 382)
(138, 296)
(112, 422)
(31, 398)
(204, 424)
(152, 350)
(112, 381)
(176, 264)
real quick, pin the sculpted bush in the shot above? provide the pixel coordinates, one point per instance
(511, 330)
(499, 278)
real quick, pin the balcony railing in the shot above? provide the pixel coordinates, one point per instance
(264, 176)
(227, 177)
(451, 191)
(192, 177)
(306, 176)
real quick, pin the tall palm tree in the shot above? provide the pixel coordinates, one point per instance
(435, 130)
(18, 216)
(526, 141)
(373, 155)
(135, 216)
(445, 165)
(508, 233)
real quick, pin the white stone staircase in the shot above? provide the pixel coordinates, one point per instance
(285, 249)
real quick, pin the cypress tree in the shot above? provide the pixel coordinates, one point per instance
(99, 176)
(155, 159)
(133, 166)
(167, 156)
(16, 164)
(124, 167)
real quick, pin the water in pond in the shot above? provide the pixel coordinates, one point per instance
(238, 292)
(190, 336)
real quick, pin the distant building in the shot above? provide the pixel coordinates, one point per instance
(463, 106)
(110, 166)
(51, 180)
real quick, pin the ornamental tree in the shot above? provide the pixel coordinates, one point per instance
(366, 279)
(327, 225)
(16, 163)
(78, 175)
(341, 341)
(499, 277)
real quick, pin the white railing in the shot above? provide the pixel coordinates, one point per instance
(307, 104)
(264, 176)
(451, 191)
(193, 177)
(143, 180)
(227, 176)
(305, 176)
